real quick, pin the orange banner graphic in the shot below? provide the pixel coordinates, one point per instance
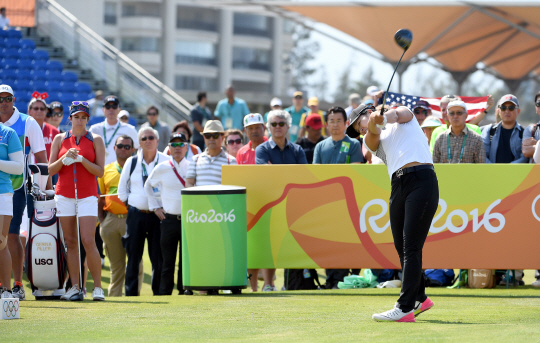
(336, 216)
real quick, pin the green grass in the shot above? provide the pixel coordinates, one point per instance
(335, 315)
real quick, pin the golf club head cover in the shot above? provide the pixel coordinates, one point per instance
(43, 175)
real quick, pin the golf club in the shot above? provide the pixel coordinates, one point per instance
(78, 230)
(403, 38)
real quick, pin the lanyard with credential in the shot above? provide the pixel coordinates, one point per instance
(144, 168)
(105, 135)
(462, 147)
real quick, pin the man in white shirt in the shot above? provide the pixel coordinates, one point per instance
(31, 138)
(141, 222)
(172, 174)
(4, 21)
(112, 128)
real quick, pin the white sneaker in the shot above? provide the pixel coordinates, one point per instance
(18, 292)
(98, 294)
(274, 289)
(395, 315)
(268, 288)
(73, 294)
(536, 283)
(5, 294)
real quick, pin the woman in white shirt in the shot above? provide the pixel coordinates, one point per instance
(397, 139)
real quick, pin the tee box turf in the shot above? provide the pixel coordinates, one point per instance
(10, 308)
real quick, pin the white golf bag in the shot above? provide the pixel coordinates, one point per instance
(46, 263)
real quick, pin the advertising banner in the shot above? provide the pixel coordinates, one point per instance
(336, 216)
(214, 237)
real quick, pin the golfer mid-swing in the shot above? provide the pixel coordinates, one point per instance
(78, 157)
(398, 140)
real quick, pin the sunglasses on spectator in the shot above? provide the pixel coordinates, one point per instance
(234, 141)
(38, 108)
(212, 135)
(509, 108)
(123, 146)
(6, 99)
(147, 137)
(114, 107)
(537, 104)
(77, 103)
(281, 124)
(418, 111)
(177, 144)
(151, 114)
(55, 114)
(452, 113)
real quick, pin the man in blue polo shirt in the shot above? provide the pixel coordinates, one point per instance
(278, 150)
(231, 110)
(338, 148)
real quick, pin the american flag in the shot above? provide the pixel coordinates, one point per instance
(475, 104)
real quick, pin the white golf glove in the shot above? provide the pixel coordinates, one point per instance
(69, 161)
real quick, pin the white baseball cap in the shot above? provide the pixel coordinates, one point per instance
(6, 89)
(275, 102)
(122, 114)
(457, 103)
(372, 90)
(253, 118)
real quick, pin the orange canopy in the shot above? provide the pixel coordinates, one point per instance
(505, 37)
(20, 12)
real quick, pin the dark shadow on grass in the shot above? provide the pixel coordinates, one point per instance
(430, 321)
(332, 294)
(55, 308)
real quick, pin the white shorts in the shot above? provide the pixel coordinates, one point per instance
(65, 207)
(6, 200)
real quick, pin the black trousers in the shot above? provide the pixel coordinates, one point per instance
(141, 226)
(171, 242)
(413, 203)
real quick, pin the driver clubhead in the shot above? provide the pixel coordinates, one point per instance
(403, 38)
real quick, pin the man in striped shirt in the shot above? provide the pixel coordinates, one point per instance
(206, 167)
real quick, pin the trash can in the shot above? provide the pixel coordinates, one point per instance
(214, 238)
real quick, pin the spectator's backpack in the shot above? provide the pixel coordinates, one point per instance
(301, 279)
(334, 276)
(481, 278)
(439, 277)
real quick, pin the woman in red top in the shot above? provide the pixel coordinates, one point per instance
(78, 156)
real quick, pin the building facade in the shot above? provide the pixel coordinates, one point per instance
(191, 47)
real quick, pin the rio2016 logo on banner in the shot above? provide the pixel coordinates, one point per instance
(211, 217)
(336, 216)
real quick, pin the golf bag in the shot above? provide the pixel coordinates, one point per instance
(46, 263)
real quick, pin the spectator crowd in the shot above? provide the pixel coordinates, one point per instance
(140, 173)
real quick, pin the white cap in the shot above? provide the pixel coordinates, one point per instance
(275, 102)
(6, 89)
(252, 119)
(372, 90)
(457, 103)
(122, 114)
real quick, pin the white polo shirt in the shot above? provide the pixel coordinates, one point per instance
(401, 144)
(110, 134)
(131, 187)
(164, 175)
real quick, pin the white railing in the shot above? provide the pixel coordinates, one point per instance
(107, 63)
